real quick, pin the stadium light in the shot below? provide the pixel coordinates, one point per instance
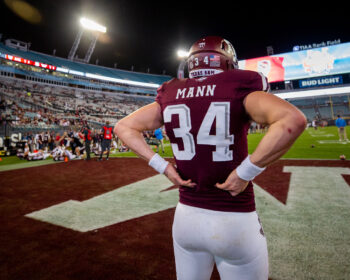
(91, 25)
(182, 54)
(87, 25)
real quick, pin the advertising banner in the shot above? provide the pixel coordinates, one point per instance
(330, 60)
(27, 61)
(324, 81)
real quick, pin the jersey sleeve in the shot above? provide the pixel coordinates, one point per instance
(251, 81)
(255, 81)
(160, 92)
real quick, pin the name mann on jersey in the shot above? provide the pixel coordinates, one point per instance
(199, 91)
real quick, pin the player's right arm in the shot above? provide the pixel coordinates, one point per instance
(285, 123)
(130, 131)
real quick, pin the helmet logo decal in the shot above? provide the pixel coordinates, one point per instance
(201, 45)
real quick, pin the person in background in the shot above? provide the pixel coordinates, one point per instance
(51, 143)
(75, 144)
(341, 124)
(314, 124)
(107, 132)
(87, 139)
(159, 135)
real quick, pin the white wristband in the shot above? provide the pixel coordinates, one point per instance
(247, 170)
(158, 163)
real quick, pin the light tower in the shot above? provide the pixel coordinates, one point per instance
(95, 30)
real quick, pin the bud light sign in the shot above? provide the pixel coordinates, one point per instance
(318, 82)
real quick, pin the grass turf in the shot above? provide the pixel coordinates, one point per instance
(322, 143)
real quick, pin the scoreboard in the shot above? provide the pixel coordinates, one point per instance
(324, 61)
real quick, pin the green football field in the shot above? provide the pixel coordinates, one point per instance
(322, 143)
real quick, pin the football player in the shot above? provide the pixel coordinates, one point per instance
(38, 155)
(23, 153)
(75, 144)
(206, 118)
(60, 152)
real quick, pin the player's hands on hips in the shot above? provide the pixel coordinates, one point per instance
(233, 184)
(174, 177)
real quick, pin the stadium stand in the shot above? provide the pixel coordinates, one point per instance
(44, 92)
(81, 75)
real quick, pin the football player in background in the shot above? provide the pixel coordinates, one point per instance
(75, 144)
(206, 118)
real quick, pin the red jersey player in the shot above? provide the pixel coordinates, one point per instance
(206, 118)
(107, 139)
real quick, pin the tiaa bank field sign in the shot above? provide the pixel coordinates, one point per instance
(318, 82)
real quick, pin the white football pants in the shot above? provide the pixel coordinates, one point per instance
(232, 240)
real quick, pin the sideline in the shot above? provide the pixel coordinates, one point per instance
(46, 162)
(26, 165)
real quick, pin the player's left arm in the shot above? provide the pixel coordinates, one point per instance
(130, 128)
(285, 122)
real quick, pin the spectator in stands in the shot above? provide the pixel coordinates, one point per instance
(341, 124)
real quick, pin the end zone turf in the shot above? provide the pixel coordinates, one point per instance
(304, 207)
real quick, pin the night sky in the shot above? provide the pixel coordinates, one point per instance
(146, 34)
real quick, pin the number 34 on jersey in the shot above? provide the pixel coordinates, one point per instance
(218, 112)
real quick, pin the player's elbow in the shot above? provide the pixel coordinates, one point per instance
(301, 121)
(118, 128)
(298, 121)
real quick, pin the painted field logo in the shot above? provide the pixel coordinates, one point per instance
(129, 202)
(148, 196)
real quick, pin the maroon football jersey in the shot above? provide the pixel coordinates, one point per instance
(207, 125)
